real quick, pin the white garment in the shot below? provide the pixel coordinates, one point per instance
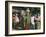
(16, 19)
(32, 20)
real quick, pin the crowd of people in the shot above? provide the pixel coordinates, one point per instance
(25, 20)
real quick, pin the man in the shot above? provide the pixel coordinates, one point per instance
(32, 21)
(27, 19)
(15, 21)
(37, 21)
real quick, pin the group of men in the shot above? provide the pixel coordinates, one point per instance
(26, 20)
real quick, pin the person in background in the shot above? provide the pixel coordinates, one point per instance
(21, 20)
(32, 22)
(37, 21)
